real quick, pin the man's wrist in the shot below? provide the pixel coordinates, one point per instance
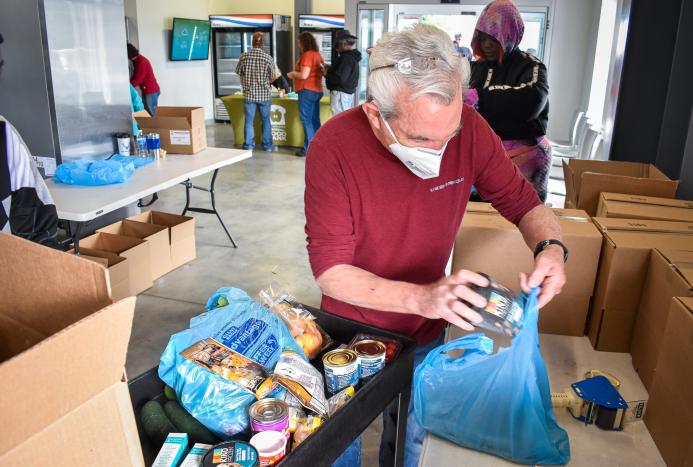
(552, 245)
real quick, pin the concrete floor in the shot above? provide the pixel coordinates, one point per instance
(261, 200)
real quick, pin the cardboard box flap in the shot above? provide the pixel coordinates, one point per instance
(132, 228)
(104, 258)
(69, 368)
(572, 221)
(110, 242)
(174, 117)
(626, 169)
(70, 287)
(609, 224)
(681, 260)
(648, 200)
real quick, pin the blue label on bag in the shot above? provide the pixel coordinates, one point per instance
(246, 340)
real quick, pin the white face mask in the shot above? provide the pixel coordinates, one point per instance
(422, 162)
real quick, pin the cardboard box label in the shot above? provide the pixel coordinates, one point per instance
(180, 137)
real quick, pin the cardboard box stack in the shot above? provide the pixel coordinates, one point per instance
(134, 249)
(182, 129)
(488, 243)
(644, 207)
(669, 415)
(622, 271)
(585, 180)
(670, 274)
(117, 267)
(62, 353)
(155, 235)
(181, 234)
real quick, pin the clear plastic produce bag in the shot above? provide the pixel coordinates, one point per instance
(497, 403)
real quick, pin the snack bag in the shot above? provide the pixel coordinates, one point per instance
(216, 366)
(303, 381)
(306, 428)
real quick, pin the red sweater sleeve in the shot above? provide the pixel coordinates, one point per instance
(139, 73)
(329, 222)
(497, 178)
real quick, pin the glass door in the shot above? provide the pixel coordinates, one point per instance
(533, 41)
(324, 40)
(228, 48)
(372, 22)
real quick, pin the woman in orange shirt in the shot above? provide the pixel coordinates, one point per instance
(308, 83)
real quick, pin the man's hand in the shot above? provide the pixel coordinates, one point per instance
(548, 273)
(441, 300)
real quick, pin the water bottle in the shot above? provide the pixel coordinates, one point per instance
(142, 145)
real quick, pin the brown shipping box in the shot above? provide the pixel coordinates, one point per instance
(669, 415)
(584, 180)
(622, 270)
(62, 353)
(670, 274)
(488, 243)
(182, 129)
(644, 207)
(155, 235)
(117, 268)
(134, 249)
(181, 232)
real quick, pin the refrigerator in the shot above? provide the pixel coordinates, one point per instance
(231, 36)
(324, 28)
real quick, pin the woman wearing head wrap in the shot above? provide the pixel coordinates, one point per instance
(510, 91)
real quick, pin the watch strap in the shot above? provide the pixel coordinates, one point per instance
(542, 245)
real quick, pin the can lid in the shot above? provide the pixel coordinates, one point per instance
(369, 348)
(269, 410)
(339, 357)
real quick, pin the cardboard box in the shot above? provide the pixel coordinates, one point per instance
(585, 179)
(155, 235)
(670, 274)
(117, 268)
(488, 243)
(669, 415)
(181, 234)
(182, 129)
(134, 249)
(622, 270)
(644, 207)
(62, 354)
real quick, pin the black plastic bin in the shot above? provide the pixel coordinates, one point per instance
(392, 385)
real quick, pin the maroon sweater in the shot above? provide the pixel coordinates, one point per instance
(365, 208)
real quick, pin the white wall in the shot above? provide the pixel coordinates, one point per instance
(182, 83)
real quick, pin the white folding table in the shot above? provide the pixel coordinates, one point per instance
(82, 204)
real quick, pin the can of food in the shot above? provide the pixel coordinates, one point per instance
(154, 145)
(503, 313)
(371, 355)
(270, 414)
(270, 446)
(341, 369)
(232, 453)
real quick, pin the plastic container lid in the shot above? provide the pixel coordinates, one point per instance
(269, 443)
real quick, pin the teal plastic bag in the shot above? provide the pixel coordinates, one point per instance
(496, 403)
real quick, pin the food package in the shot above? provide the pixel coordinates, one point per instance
(301, 323)
(243, 341)
(306, 428)
(338, 401)
(302, 380)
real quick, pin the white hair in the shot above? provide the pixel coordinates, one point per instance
(435, 68)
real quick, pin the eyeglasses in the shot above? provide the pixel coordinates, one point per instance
(406, 65)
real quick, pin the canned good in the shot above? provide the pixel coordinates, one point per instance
(503, 312)
(232, 453)
(270, 415)
(341, 369)
(371, 355)
(154, 145)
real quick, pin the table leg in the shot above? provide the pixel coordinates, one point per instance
(77, 235)
(402, 412)
(188, 186)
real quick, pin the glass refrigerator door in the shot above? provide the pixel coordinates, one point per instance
(248, 40)
(372, 20)
(324, 40)
(229, 47)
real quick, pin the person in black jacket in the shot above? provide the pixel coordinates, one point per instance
(342, 77)
(509, 89)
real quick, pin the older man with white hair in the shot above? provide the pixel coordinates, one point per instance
(387, 184)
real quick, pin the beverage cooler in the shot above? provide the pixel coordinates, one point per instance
(324, 28)
(231, 36)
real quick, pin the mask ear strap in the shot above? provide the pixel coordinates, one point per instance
(389, 129)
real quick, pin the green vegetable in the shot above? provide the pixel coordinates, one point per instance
(186, 423)
(156, 423)
(222, 301)
(169, 393)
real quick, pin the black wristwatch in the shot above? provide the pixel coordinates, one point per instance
(541, 246)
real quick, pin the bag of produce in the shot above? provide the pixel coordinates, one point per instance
(497, 403)
(216, 365)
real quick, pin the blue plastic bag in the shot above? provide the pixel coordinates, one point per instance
(135, 160)
(242, 325)
(499, 404)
